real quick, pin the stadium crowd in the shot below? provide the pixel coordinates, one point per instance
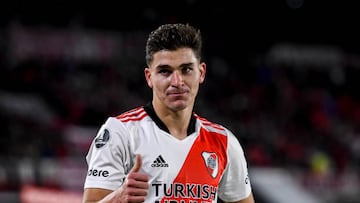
(303, 117)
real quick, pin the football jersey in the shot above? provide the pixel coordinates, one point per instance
(207, 164)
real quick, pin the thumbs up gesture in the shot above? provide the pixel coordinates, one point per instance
(135, 187)
(136, 183)
(137, 166)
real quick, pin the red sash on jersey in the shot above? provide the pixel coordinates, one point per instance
(199, 177)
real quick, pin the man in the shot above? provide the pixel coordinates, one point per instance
(163, 151)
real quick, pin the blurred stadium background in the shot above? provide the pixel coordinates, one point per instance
(283, 75)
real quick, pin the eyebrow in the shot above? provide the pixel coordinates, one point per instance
(165, 66)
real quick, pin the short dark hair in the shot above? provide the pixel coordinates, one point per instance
(172, 37)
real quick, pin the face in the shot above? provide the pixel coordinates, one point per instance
(175, 77)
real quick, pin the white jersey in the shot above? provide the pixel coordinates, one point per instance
(207, 164)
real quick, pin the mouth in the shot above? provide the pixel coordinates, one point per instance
(177, 93)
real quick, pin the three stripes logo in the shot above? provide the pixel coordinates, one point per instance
(159, 162)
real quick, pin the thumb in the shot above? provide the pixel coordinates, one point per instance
(137, 165)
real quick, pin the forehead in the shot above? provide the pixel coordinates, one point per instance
(174, 58)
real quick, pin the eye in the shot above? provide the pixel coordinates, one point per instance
(164, 71)
(186, 70)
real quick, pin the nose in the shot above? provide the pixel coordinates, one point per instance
(176, 79)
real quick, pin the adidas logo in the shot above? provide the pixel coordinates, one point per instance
(159, 162)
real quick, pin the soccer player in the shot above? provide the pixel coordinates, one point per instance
(163, 151)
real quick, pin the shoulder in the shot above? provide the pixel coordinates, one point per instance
(119, 128)
(211, 126)
(136, 114)
(217, 128)
(124, 120)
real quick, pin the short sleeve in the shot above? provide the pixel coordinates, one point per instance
(109, 157)
(235, 183)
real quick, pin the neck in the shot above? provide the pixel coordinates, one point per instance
(177, 122)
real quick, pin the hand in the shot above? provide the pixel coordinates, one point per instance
(135, 187)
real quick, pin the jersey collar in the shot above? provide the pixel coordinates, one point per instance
(151, 112)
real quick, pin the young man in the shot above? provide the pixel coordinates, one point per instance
(163, 151)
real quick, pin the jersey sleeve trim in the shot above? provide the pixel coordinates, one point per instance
(100, 184)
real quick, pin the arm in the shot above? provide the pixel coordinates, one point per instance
(134, 189)
(235, 183)
(93, 195)
(249, 199)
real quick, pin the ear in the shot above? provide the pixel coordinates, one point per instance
(147, 74)
(202, 68)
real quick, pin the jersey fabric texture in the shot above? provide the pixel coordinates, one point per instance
(207, 164)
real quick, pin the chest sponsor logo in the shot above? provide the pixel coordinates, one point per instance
(211, 162)
(185, 193)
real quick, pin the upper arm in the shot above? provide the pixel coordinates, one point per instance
(109, 161)
(249, 199)
(92, 195)
(235, 182)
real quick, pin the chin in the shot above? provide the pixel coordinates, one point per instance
(178, 106)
